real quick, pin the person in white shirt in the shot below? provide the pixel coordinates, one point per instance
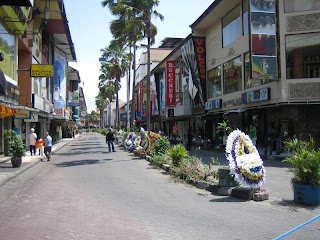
(32, 140)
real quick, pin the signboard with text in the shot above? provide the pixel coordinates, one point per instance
(41, 70)
(171, 83)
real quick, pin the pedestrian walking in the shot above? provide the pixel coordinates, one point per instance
(40, 146)
(253, 134)
(110, 139)
(47, 146)
(32, 141)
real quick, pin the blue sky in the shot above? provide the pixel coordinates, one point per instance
(89, 26)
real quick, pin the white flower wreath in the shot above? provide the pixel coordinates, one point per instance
(244, 160)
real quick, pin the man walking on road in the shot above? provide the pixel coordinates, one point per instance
(109, 139)
(32, 139)
(47, 146)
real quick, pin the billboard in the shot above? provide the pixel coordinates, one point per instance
(59, 81)
(171, 83)
(194, 73)
(263, 39)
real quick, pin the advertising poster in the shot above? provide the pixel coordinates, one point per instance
(59, 81)
(263, 39)
(153, 96)
(193, 55)
(264, 67)
(162, 92)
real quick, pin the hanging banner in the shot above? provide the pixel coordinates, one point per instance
(263, 47)
(171, 83)
(141, 96)
(194, 73)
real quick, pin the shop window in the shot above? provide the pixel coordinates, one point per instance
(214, 82)
(232, 75)
(303, 56)
(7, 48)
(245, 17)
(231, 26)
(299, 5)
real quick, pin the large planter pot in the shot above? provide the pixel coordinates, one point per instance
(306, 194)
(16, 161)
(226, 179)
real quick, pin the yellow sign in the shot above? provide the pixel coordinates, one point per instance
(22, 114)
(41, 70)
(15, 17)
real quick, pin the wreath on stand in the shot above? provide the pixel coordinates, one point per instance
(244, 160)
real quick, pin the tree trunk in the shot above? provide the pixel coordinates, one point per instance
(133, 116)
(148, 83)
(117, 106)
(128, 96)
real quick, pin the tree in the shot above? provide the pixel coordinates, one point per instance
(114, 63)
(101, 103)
(134, 23)
(93, 116)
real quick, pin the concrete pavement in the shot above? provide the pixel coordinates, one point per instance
(7, 172)
(278, 178)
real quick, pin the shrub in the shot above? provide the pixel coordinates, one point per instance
(305, 161)
(177, 153)
(160, 146)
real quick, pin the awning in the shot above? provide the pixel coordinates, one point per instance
(7, 88)
(25, 3)
(26, 108)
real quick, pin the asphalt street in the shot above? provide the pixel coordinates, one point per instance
(85, 192)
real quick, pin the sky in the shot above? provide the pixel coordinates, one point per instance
(89, 25)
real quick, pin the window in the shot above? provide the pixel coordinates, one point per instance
(231, 26)
(7, 47)
(303, 56)
(299, 5)
(232, 75)
(245, 17)
(214, 82)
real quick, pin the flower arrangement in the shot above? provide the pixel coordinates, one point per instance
(244, 160)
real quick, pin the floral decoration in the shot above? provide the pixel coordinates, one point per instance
(244, 160)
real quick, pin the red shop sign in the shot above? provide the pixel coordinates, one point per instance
(171, 82)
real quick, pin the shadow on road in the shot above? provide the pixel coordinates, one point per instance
(77, 163)
(228, 199)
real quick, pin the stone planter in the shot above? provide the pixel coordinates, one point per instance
(16, 161)
(226, 179)
(306, 194)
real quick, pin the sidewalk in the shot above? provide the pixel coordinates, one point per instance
(7, 172)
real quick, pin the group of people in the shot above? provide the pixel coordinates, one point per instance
(44, 145)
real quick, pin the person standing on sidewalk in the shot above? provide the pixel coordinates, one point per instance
(109, 139)
(32, 140)
(253, 134)
(47, 146)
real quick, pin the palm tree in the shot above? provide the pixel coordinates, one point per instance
(101, 103)
(135, 20)
(107, 87)
(115, 61)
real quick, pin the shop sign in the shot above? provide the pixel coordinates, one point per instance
(22, 114)
(73, 104)
(59, 112)
(15, 17)
(215, 104)
(171, 83)
(141, 96)
(83, 113)
(41, 70)
(232, 102)
(33, 118)
(170, 112)
(256, 96)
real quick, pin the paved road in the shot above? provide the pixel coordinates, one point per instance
(87, 193)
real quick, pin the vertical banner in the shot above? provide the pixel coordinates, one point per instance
(141, 97)
(162, 91)
(171, 83)
(194, 73)
(136, 101)
(154, 109)
(59, 81)
(263, 47)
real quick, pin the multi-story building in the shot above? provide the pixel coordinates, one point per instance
(37, 47)
(248, 62)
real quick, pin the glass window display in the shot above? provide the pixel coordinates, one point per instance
(299, 5)
(214, 82)
(232, 75)
(303, 56)
(231, 26)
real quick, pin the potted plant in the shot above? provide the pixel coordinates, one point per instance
(16, 147)
(306, 169)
